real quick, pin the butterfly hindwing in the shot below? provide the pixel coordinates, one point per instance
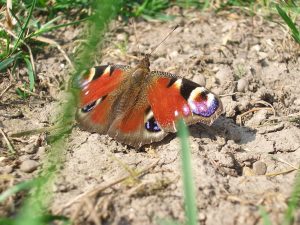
(136, 127)
(172, 97)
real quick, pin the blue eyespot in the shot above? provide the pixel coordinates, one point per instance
(88, 107)
(152, 126)
(204, 108)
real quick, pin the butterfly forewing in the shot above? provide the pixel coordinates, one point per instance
(96, 88)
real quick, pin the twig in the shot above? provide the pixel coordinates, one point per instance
(231, 94)
(92, 211)
(52, 42)
(27, 91)
(37, 131)
(279, 173)
(266, 104)
(97, 189)
(9, 145)
(240, 117)
(5, 90)
(283, 161)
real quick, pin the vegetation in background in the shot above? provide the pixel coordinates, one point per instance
(30, 19)
(293, 27)
(34, 210)
(25, 21)
(187, 175)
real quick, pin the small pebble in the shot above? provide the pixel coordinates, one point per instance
(29, 166)
(202, 216)
(259, 168)
(242, 85)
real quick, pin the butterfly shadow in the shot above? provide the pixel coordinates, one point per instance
(225, 128)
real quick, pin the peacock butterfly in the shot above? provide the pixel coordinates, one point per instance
(137, 106)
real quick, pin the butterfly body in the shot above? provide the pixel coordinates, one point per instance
(137, 106)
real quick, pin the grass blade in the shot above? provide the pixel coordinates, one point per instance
(264, 215)
(17, 188)
(290, 23)
(48, 28)
(7, 221)
(24, 26)
(6, 62)
(293, 202)
(30, 74)
(188, 184)
(36, 205)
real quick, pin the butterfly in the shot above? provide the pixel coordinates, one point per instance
(137, 106)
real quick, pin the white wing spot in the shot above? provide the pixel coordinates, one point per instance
(178, 83)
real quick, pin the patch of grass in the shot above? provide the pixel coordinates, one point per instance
(293, 27)
(187, 175)
(293, 203)
(34, 210)
(190, 205)
(147, 9)
(264, 215)
(20, 26)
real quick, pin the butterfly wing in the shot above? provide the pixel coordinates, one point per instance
(110, 103)
(172, 97)
(142, 111)
(136, 126)
(95, 98)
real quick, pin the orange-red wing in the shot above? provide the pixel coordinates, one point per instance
(166, 101)
(100, 82)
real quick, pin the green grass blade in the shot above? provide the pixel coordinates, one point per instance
(7, 221)
(36, 205)
(17, 188)
(21, 35)
(264, 215)
(6, 62)
(290, 23)
(293, 202)
(188, 184)
(30, 73)
(45, 29)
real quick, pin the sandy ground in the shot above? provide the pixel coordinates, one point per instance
(246, 159)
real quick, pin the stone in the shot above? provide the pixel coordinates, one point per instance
(242, 85)
(259, 168)
(29, 166)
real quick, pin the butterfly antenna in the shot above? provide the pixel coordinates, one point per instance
(164, 39)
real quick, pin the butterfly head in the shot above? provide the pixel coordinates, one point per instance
(145, 62)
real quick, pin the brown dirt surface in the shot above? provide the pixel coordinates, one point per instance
(246, 159)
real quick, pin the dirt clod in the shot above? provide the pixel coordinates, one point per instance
(29, 166)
